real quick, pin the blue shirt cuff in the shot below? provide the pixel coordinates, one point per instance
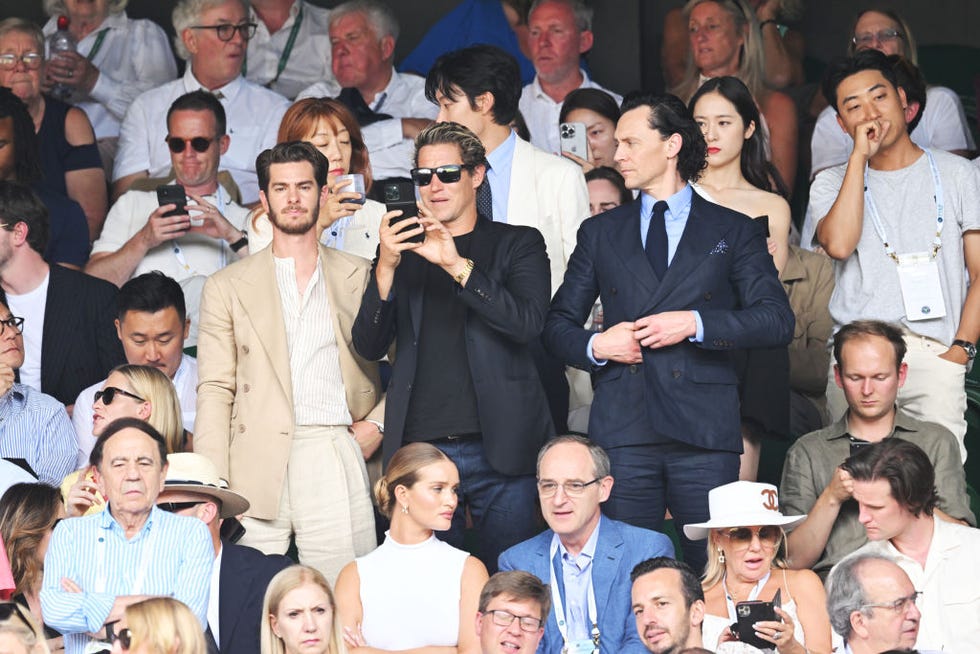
(588, 352)
(699, 332)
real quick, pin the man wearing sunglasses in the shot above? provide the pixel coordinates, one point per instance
(33, 426)
(461, 306)
(894, 485)
(185, 243)
(212, 36)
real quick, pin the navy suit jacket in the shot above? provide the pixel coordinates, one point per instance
(245, 574)
(506, 297)
(618, 549)
(686, 392)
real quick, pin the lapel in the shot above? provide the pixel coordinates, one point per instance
(343, 295)
(258, 293)
(628, 246)
(605, 565)
(59, 324)
(522, 199)
(234, 581)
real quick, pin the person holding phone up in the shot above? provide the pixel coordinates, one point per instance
(746, 539)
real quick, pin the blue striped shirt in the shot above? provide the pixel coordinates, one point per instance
(172, 555)
(36, 428)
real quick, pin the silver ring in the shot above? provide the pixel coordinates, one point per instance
(71, 73)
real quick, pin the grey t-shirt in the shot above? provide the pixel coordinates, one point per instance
(867, 281)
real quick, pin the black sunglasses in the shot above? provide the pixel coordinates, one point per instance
(178, 145)
(108, 394)
(447, 174)
(173, 507)
(11, 609)
(125, 638)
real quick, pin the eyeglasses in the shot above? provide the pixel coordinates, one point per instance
(125, 638)
(31, 60)
(881, 36)
(548, 488)
(901, 605)
(108, 394)
(447, 174)
(741, 537)
(174, 507)
(14, 322)
(505, 619)
(178, 145)
(226, 31)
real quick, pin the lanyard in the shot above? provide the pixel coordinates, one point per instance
(286, 51)
(98, 44)
(560, 617)
(179, 253)
(876, 218)
(753, 594)
(149, 545)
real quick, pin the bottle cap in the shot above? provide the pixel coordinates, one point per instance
(63, 22)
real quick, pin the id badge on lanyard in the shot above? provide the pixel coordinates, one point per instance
(584, 645)
(922, 292)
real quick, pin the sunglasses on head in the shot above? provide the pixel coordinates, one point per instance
(447, 174)
(178, 145)
(108, 394)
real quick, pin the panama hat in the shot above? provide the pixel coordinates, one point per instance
(742, 504)
(194, 473)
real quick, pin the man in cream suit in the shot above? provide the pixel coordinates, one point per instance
(285, 405)
(479, 87)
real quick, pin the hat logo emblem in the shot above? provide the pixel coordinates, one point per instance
(771, 502)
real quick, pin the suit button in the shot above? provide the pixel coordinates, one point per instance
(245, 349)
(676, 373)
(633, 369)
(707, 296)
(247, 388)
(613, 290)
(409, 388)
(241, 429)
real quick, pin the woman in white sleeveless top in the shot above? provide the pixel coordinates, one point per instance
(414, 592)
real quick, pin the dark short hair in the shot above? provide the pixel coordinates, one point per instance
(910, 80)
(474, 71)
(595, 100)
(906, 468)
(27, 156)
(841, 69)
(669, 115)
(20, 204)
(612, 176)
(116, 426)
(865, 328)
(471, 150)
(151, 292)
(690, 584)
(291, 152)
(518, 585)
(201, 100)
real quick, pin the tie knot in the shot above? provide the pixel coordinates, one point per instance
(660, 208)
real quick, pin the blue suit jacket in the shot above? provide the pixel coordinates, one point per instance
(619, 548)
(686, 392)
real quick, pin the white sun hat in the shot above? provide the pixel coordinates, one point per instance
(742, 504)
(193, 473)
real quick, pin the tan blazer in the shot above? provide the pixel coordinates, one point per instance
(245, 419)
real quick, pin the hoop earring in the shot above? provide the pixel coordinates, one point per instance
(721, 556)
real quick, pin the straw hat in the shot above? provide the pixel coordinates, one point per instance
(193, 473)
(742, 504)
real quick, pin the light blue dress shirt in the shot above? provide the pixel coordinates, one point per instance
(576, 572)
(501, 161)
(36, 428)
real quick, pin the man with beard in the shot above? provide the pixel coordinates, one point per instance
(668, 604)
(283, 400)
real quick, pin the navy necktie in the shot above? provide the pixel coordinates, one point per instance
(484, 199)
(656, 247)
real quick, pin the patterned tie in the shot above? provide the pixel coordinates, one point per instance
(657, 239)
(484, 199)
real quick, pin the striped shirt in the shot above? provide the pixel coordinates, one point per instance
(36, 428)
(171, 556)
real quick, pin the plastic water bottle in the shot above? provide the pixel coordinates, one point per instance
(61, 41)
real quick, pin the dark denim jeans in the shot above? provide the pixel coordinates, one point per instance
(503, 508)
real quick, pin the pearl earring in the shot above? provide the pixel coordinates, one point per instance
(404, 508)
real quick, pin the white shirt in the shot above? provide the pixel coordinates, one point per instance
(134, 56)
(950, 602)
(214, 597)
(253, 114)
(185, 383)
(541, 113)
(30, 306)
(943, 127)
(309, 60)
(404, 97)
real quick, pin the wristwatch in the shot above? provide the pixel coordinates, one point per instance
(240, 243)
(971, 349)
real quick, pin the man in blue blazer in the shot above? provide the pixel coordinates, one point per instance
(193, 488)
(584, 557)
(682, 282)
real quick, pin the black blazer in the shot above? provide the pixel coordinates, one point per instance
(686, 392)
(506, 297)
(79, 344)
(245, 574)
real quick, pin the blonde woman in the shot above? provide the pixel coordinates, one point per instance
(160, 625)
(298, 614)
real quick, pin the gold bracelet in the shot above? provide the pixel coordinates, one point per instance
(467, 269)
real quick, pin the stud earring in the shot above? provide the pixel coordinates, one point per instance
(404, 508)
